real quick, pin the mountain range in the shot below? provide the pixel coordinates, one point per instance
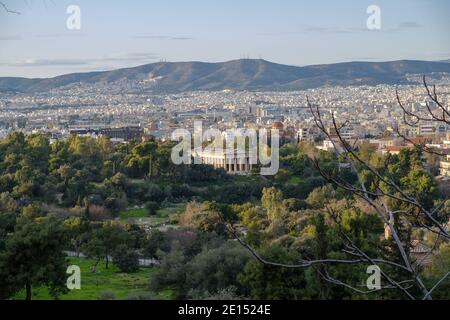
(243, 74)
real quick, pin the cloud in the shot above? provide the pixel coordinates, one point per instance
(49, 35)
(315, 29)
(159, 37)
(305, 30)
(59, 35)
(133, 57)
(312, 30)
(404, 26)
(410, 25)
(372, 59)
(182, 38)
(10, 37)
(49, 62)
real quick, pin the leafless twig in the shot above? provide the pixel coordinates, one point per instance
(6, 8)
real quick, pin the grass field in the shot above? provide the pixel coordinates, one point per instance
(110, 280)
(134, 214)
(173, 209)
(163, 215)
(295, 180)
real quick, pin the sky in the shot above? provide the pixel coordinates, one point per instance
(115, 34)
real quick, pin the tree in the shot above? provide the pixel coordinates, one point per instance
(401, 197)
(156, 241)
(172, 271)
(154, 193)
(65, 172)
(438, 270)
(295, 160)
(273, 283)
(229, 293)
(120, 180)
(33, 256)
(398, 201)
(205, 217)
(283, 176)
(272, 201)
(77, 229)
(126, 259)
(215, 269)
(254, 219)
(104, 240)
(116, 205)
(152, 207)
(321, 196)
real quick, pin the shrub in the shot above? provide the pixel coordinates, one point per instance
(142, 296)
(152, 207)
(106, 295)
(126, 259)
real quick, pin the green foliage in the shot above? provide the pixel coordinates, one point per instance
(272, 201)
(214, 269)
(321, 196)
(438, 268)
(171, 271)
(204, 217)
(285, 218)
(33, 256)
(126, 259)
(104, 240)
(204, 271)
(274, 283)
(152, 207)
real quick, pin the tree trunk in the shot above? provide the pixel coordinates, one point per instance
(28, 291)
(77, 249)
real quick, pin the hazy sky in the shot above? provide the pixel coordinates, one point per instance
(116, 33)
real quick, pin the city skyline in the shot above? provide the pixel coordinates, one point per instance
(37, 43)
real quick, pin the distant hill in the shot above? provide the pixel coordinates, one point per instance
(244, 74)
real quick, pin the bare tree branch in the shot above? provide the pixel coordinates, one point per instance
(436, 285)
(6, 8)
(386, 214)
(375, 198)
